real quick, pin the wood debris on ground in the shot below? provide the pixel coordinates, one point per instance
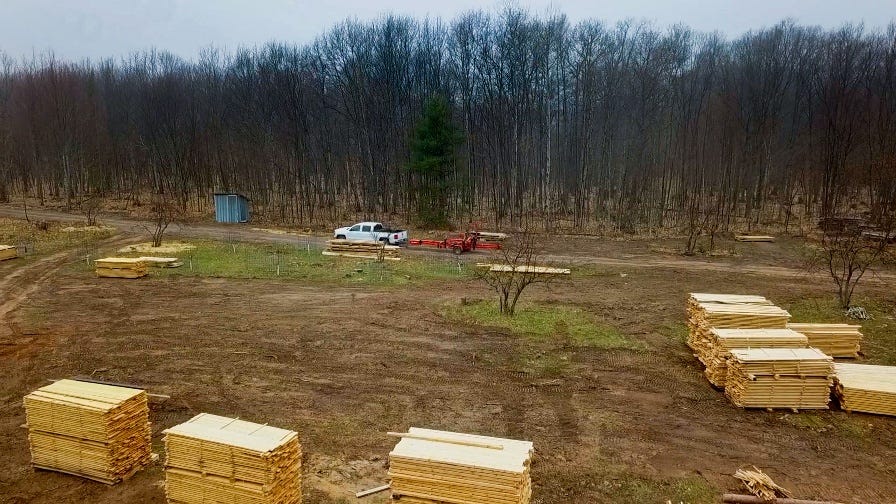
(717, 352)
(120, 267)
(211, 458)
(363, 249)
(97, 431)
(754, 238)
(8, 252)
(866, 388)
(791, 378)
(761, 485)
(435, 467)
(836, 340)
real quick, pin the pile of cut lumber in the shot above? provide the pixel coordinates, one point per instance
(836, 340)
(367, 249)
(435, 467)
(791, 378)
(866, 388)
(217, 459)
(754, 238)
(161, 262)
(93, 430)
(730, 311)
(8, 252)
(524, 268)
(722, 341)
(120, 267)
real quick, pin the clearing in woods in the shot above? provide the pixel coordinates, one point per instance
(617, 407)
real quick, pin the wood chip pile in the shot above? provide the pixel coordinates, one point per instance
(363, 249)
(730, 311)
(435, 467)
(791, 378)
(866, 388)
(715, 355)
(8, 252)
(120, 267)
(97, 431)
(836, 340)
(217, 459)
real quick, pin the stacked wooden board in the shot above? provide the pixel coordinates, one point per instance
(120, 267)
(97, 431)
(730, 311)
(367, 249)
(217, 459)
(436, 467)
(8, 252)
(722, 341)
(792, 378)
(754, 238)
(836, 340)
(866, 388)
(161, 262)
(524, 268)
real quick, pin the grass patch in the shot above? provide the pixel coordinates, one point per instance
(688, 490)
(543, 323)
(34, 242)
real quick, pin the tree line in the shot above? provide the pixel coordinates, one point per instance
(586, 126)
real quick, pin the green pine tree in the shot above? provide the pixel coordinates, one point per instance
(433, 149)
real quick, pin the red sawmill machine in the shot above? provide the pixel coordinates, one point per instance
(462, 242)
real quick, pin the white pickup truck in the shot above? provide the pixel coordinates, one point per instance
(372, 231)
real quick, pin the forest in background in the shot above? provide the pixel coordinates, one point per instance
(580, 127)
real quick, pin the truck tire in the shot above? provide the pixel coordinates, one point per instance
(340, 237)
(458, 250)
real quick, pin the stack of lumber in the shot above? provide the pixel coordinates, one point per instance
(866, 388)
(435, 467)
(524, 268)
(367, 249)
(120, 267)
(754, 238)
(161, 262)
(8, 252)
(217, 459)
(715, 356)
(730, 311)
(492, 237)
(96, 431)
(836, 340)
(792, 378)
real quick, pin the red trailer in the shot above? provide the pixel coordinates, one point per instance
(458, 244)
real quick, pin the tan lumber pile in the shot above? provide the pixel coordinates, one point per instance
(8, 252)
(715, 355)
(492, 237)
(524, 268)
(791, 378)
(754, 238)
(96, 431)
(161, 262)
(730, 311)
(211, 458)
(836, 340)
(866, 388)
(366, 249)
(435, 467)
(120, 267)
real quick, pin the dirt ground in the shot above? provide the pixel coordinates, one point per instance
(344, 365)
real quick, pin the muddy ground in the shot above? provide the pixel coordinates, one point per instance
(344, 365)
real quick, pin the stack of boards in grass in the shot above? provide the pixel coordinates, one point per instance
(368, 249)
(217, 459)
(836, 340)
(435, 467)
(716, 354)
(866, 388)
(120, 267)
(730, 311)
(93, 430)
(754, 238)
(789, 378)
(8, 252)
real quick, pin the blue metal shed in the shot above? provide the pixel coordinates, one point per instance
(231, 207)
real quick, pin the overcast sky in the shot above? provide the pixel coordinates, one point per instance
(77, 29)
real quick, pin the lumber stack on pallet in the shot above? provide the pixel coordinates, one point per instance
(866, 388)
(161, 262)
(727, 311)
(367, 249)
(754, 238)
(211, 458)
(96, 431)
(435, 467)
(8, 252)
(790, 378)
(120, 267)
(836, 340)
(715, 356)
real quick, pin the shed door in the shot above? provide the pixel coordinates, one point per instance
(233, 208)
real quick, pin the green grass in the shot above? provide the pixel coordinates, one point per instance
(542, 323)
(290, 262)
(35, 242)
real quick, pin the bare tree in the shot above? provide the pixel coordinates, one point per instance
(164, 211)
(90, 207)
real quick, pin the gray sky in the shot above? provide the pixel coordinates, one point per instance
(75, 29)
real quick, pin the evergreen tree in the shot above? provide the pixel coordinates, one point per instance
(433, 149)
